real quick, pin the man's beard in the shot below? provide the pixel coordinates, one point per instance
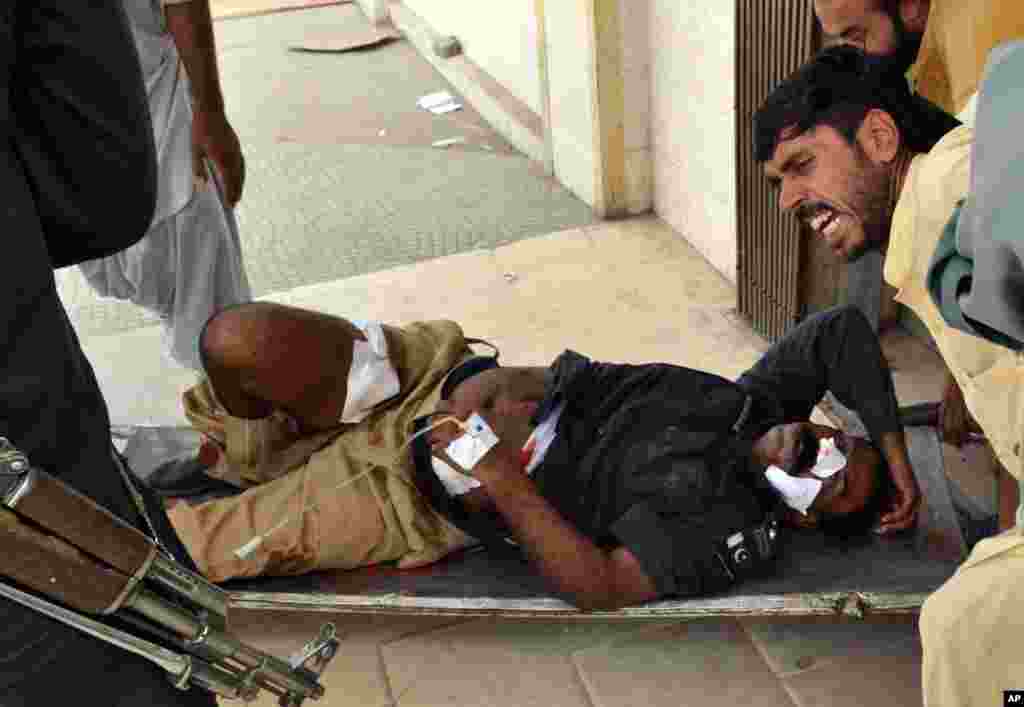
(869, 199)
(908, 44)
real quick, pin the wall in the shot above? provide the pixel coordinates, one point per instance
(597, 58)
(500, 37)
(635, 20)
(570, 55)
(375, 10)
(693, 131)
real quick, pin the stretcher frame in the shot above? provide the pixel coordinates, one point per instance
(815, 578)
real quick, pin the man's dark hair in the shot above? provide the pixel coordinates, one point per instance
(837, 89)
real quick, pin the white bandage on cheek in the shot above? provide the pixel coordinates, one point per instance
(455, 482)
(469, 448)
(830, 459)
(371, 378)
(798, 493)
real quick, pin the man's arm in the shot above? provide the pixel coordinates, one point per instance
(74, 110)
(190, 24)
(592, 578)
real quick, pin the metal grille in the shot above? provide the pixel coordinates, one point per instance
(773, 38)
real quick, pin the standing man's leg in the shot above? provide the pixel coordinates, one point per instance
(971, 628)
(68, 68)
(209, 273)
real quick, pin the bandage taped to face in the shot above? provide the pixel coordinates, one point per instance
(799, 492)
(466, 451)
(472, 445)
(371, 378)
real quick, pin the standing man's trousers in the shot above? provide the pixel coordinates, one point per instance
(77, 179)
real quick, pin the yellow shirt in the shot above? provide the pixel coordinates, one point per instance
(957, 39)
(991, 376)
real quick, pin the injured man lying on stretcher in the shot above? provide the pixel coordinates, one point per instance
(620, 483)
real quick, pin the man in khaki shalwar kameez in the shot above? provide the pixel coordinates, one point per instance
(848, 172)
(322, 493)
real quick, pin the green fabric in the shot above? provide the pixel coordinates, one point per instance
(950, 275)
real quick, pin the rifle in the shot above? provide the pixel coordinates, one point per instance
(61, 544)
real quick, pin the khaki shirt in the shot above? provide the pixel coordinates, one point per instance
(957, 39)
(991, 376)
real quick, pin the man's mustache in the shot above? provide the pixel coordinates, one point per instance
(808, 210)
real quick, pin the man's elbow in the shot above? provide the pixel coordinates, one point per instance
(608, 597)
(597, 601)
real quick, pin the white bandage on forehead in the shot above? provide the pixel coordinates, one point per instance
(798, 493)
(371, 378)
(830, 459)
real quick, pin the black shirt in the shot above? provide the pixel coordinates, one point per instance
(647, 457)
(652, 457)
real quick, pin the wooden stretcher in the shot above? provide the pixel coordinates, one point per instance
(814, 577)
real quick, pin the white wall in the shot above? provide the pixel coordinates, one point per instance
(635, 20)
(693, 129)
(500, 37)
(376, 11)
(574, 139)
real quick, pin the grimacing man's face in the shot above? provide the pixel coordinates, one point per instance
(836, 188)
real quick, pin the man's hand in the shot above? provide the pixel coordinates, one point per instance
(955, 421)
(213, 138)
(907, 500)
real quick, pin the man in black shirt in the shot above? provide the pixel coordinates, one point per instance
(77, 173)
(620, 482)
(652, 464)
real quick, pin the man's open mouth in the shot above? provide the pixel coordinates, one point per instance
(824, 221)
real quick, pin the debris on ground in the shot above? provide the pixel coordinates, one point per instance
(348, 40)
(448, 142)
(447, 47)
(439, 103)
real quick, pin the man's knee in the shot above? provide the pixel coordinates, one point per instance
(231, 336)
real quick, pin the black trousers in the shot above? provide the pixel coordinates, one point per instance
(835, 350)
(77, 178)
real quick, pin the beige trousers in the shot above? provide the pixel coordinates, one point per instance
(293, 485)
(972, 628)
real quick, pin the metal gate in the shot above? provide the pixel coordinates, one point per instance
(773, 38)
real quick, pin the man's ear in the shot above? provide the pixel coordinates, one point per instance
(879, 136)
(914, 14)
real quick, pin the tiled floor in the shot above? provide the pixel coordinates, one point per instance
(429, 662)
(629, 291)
